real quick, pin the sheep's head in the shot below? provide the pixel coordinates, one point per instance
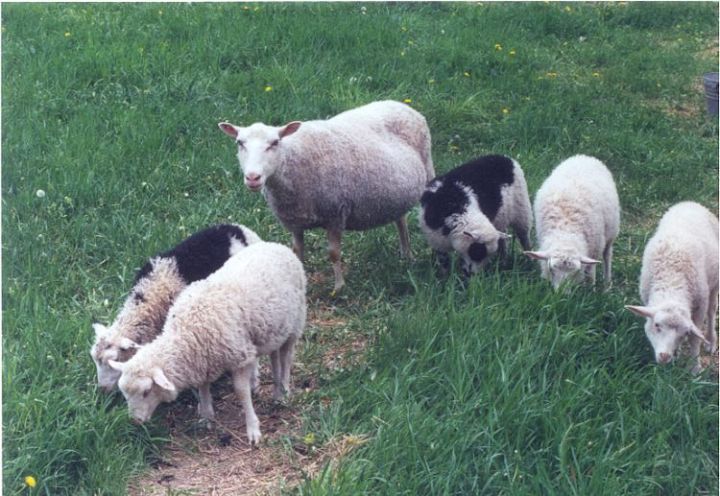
(144, 390)
(258, 147)
(665, 328)
(476, 246)
(109, 347)
(560, 268)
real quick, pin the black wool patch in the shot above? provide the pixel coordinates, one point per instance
(201, 254)
(485, 176)
(437, 206)
(477, 252)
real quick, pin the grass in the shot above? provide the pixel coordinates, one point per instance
(498, 388)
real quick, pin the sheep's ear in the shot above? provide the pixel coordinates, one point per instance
(537, 255)
(289, 128)
(161, 379)
(228, 129)
(100, 330)
(128, 344)
(641, 311)
(588, 261)
(698, 333)
(119, 366)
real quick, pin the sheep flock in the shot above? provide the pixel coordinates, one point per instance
(223, 297)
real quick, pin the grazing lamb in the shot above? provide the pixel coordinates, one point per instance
(156, 285)
(577, 218)
(679, 282)
(469, 208)
(360, 169)
(254, 305)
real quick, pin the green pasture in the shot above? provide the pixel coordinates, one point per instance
(111, 153)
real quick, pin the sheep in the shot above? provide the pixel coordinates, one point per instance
(469, 208)
(156, 285)
(577, 218)
(253, 305)
(679, 282)
(361, 169)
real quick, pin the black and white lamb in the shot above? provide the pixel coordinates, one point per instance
(469, 209)
(156, 286)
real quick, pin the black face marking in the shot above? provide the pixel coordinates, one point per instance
(202, 253)
(138, 297)
(485, 176)
(477, 252)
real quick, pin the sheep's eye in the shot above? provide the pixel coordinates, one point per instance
(146, 393)
(240, 143)
(273, 144)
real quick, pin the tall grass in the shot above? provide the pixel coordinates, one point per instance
(501, 387)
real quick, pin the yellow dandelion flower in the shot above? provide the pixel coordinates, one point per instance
(160, 12)
(498, 47)
(568, 8)
(268, 88)
(402, 53)
(551, 74)
(596, 74)
(466, 74)
(68, 34)
(245, 7)
(30, 481)
(505, 110)
(309, 439)
(407, 100)
(431, 81)
(512, 52)
(403, 29)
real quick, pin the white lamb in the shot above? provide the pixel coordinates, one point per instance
(254, 305)
(679, 282)
(156, 285)
(360, 169)
(577, 218)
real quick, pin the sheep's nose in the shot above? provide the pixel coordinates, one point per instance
(664, 357)
(253, 177)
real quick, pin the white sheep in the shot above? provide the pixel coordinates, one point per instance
(577, 218)
(470, 208)
(253, 305)
(360, 169)
(679, 282)
(156, 285)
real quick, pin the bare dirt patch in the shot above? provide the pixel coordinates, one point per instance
(216, 459)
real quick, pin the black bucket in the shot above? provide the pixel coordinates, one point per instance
(710, 81)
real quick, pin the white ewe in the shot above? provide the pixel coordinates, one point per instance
(156, 285)
(679, 282)
(360, 169)
(577, 218)
(253, 305)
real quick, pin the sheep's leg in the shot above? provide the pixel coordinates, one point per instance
(710, 333)
(205, 408)
(524, 237)
(276, 360)
(287, 353)
(695, 353)
(255, 378)
(607, 267)
(502, 248)
(590, 272)
(402, 228)
(298, 244)
(443, 259)
(334, 241)
(241, 381)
